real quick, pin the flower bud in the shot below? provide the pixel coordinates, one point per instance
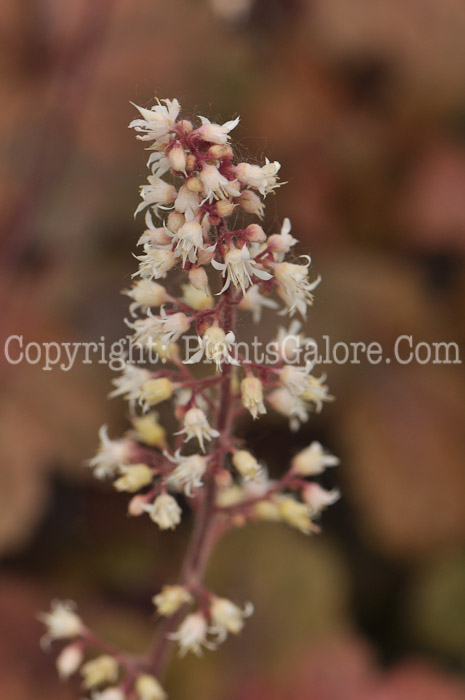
(313, 460)
(156, 390)
(148, 430)
(103, 669)
(317, 498)
(296, 515)
(255, 234)
(148, 688)
(246, 464)
(136, 505)
(69, 660)
(224, 208)
(190, 162)
(177, 159)
(205, 256)
(267, 510)
(186, 126)
(197, 299)
(171, 599)
(134, 478)
(164, 511)
(193, 184)
(199, 279)
(252, 396)
(251, 203)
(174, 222)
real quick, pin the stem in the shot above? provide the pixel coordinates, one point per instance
(206, 529)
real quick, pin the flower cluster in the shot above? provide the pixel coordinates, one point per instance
(198, 201)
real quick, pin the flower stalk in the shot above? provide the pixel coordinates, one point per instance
(196, 193)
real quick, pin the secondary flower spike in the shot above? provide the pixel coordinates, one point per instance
(206, 269)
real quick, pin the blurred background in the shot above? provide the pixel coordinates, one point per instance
(364, 104)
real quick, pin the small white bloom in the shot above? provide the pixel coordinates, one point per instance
(69, 660)
(164, 511)
(192, 635)
(289, 405)
(111, 454)
(155, 263)
(145, 294)
(197, 426)
(300, 382)
(254, 301)
(215, 185)
(156, 194)
(103, 669)
(294, 287)
(238, 268)
(313, 460)
(171, 599)
(61, 622)
(296, 515)
(129, 384)
(264, 178)
(148, 688)
(252, 396)
(156, 122)
(198, 299)
(251, 203)
(189, 239)
(188, 473)
(177, 158)
(227, 618)
(317, 498)
(164, 328)
(215, 133)
(281, 243)
(187, 202)
(216, 346)
(158, 164)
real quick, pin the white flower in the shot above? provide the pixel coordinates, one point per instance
(192, 635)
(158, 163)
(313, 460)
(148, 688)
(157, 194)
(189, 472)
(238, 268)
(289, 405)
(281, 243)
(164, 328)
(264, 178)
(103, 669)
(198, 299)
(317, 498)
(247, 465)
(69, 660)
(130, 383)
(215, 185)
(251, 203)
(164, 511)
(157, 121)
(296, 515)
(177, 158)
(300, 382)
(227, 618)
(155, 263)
(294, 287)
(187, 202)
(189, 239)
(145, 294)
(215, 133)
(216, 345)
(111, 454)
(252, 396)
(254, 301)
(62, 622)
(197, 426)
(171, 599)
